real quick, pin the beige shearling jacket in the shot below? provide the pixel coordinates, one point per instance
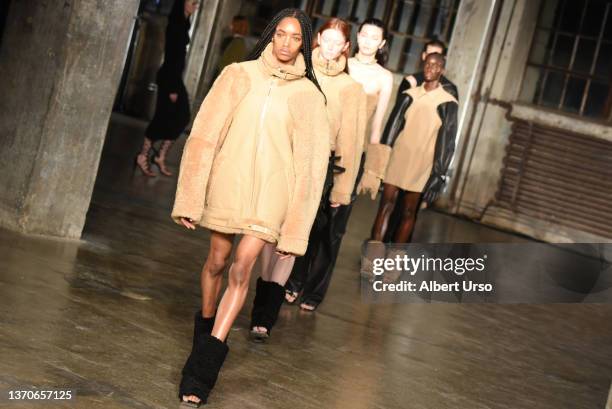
(347, 114)
(256, 157)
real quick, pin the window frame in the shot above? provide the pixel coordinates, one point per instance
(570, 72)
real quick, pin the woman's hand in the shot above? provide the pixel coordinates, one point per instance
(187, 222)
(283, 254)
(173, 97)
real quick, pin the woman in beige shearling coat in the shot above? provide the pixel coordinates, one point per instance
(346, 110)
(254, 164)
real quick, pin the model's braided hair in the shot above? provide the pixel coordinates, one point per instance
(306, 27)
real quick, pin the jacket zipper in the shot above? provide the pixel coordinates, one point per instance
(258, 142)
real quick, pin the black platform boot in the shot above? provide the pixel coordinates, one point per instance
(201, 326)
(274, 300)
(202, 369)
(259, 303)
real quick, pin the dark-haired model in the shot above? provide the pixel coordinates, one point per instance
(412, 81)
(416, 154)
(416, 79)
(312, 274)
(367, 67)
(172, 113)
(346, 110)
(253, 165)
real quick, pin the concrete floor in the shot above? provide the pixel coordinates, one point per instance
(110, 316)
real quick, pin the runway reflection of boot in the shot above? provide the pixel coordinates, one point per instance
(160, 157)
(142, 159)
(268, 315)
(201, 370)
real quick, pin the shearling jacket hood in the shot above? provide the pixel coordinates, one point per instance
(284, 71)
(327, 67)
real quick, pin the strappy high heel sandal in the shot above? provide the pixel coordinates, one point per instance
(141, 161)
(159, 157)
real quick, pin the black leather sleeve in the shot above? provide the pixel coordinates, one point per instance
(444, 150)
(451, 89)
(396, 120)
(445, 142)
(404, 85)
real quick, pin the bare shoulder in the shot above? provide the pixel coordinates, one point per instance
(386, 74)
(384, 77)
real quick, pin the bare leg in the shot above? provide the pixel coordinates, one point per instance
(374, 249)
(274, 269)
(282, 270)
(387, 203)
(267, 260)
(212, 277)
(410, 207)
(212, 272)
(238, 284)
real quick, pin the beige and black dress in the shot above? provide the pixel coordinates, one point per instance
(421, 131)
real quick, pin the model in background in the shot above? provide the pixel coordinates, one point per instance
(346, 106)
(235, 47)
(172, 113)
(412, 81)
(367, 68)
(416, 154)
(416, 79)
(254, 164)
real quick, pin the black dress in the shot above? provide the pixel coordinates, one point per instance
(171, 118)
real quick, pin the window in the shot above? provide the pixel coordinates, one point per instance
(570, 61)
(410, 23)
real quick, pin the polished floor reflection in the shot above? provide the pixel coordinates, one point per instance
(110, 316)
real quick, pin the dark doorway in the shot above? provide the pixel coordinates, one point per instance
(4, 6)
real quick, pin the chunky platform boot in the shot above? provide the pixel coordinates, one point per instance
(269, 314)
(202, 369)
(201, 326)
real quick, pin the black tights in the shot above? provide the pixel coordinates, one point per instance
(409, 203)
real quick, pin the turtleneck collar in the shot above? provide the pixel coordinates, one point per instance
(284, 71)
(331, 68)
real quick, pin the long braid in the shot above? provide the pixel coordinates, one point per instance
(306, 27)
